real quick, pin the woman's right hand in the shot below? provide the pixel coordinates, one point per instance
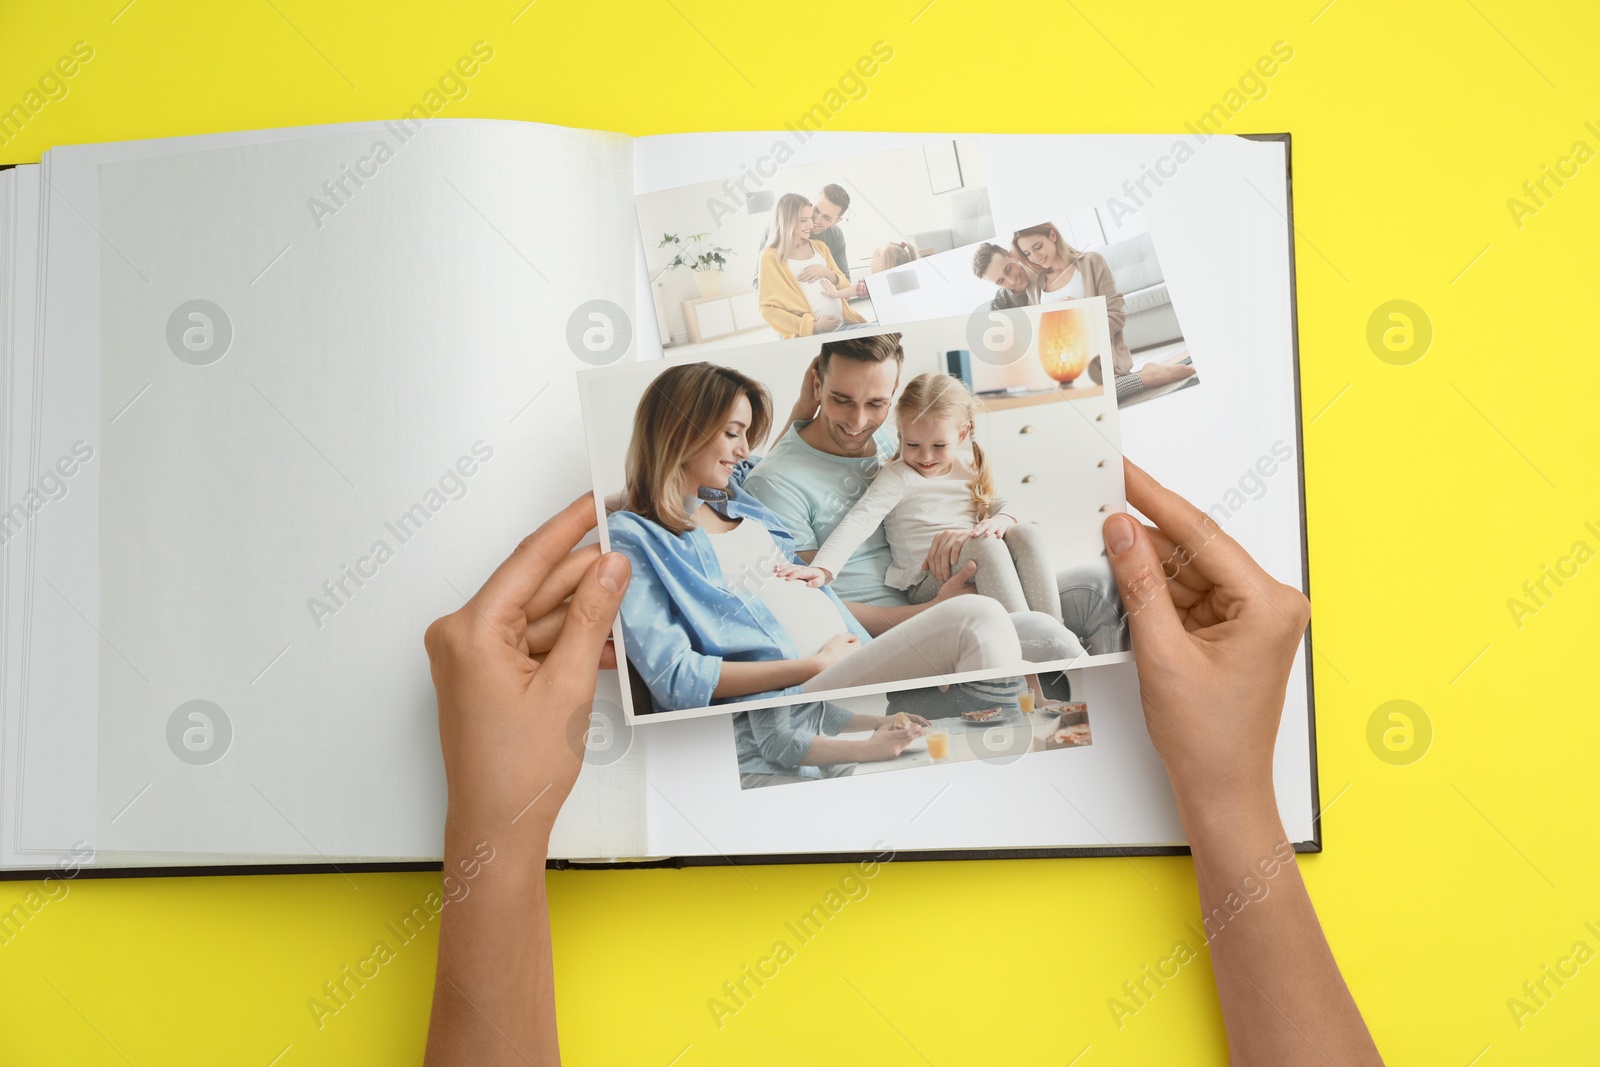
(891, 739)
(837, 648)
(1214, 637)
(827, 323)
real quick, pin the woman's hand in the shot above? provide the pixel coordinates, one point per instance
(1214, 637)
(945, 553)
(891, 739)
(826, 323)
(799, 572)
(837, 648)
(514, 670)
(816, 272)
(994, 526)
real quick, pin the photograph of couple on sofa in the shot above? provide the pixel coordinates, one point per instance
(1046, 263)
(874, 545)
(772, 257)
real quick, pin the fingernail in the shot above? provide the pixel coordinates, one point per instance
(1119, 534)
(613, 571)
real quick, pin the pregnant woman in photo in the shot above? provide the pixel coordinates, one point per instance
(793, 306)
(706, 620)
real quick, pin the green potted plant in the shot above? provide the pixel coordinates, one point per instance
(696, 253)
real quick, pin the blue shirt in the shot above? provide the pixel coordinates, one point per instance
(811, 491)
(680, 616)
(775, 740)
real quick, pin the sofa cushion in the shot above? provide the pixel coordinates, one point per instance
(1133, 263)
(1153, 326)
(1145, 299)
(933, 241)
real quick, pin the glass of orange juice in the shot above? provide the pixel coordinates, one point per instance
(938, 744)
(1025, 701)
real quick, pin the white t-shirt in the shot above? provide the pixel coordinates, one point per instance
(1073, 290)
(821, 303)
(912, 508)
(747, 555)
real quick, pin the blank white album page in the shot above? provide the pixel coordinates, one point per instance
(323, 418)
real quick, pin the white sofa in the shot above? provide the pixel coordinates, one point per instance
(1152, 320)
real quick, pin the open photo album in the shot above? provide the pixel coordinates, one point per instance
(853, 404)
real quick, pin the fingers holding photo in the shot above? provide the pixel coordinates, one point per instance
(1198, 555)
(1217, 556)
(508, 593)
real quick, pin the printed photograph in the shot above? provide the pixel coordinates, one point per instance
(833, 518)
(760, 257)
(1000, 721)
(1067, 258)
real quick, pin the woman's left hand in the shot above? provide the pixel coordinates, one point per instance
(994, 526)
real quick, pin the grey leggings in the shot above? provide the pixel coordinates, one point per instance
(1015, 571)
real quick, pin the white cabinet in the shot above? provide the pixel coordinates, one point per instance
(1050, 461)
(746, 311)
(709, 317)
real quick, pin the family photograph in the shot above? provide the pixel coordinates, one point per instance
(773, 257)
(866, 537)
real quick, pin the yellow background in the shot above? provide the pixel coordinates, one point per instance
(1435, 490)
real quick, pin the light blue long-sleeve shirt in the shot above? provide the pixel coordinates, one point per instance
(681, 617)
(775, 740)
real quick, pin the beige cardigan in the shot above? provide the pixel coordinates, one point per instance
(1097, 281)
(783, 302)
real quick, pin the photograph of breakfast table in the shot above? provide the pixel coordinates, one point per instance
(989, 734)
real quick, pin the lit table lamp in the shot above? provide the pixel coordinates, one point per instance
(1063, 344)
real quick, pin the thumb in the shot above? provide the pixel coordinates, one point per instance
(1152, 618)
(577, 649)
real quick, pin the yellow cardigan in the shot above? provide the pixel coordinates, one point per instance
(783, 302)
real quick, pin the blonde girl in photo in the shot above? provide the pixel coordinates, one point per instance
(940, 481)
